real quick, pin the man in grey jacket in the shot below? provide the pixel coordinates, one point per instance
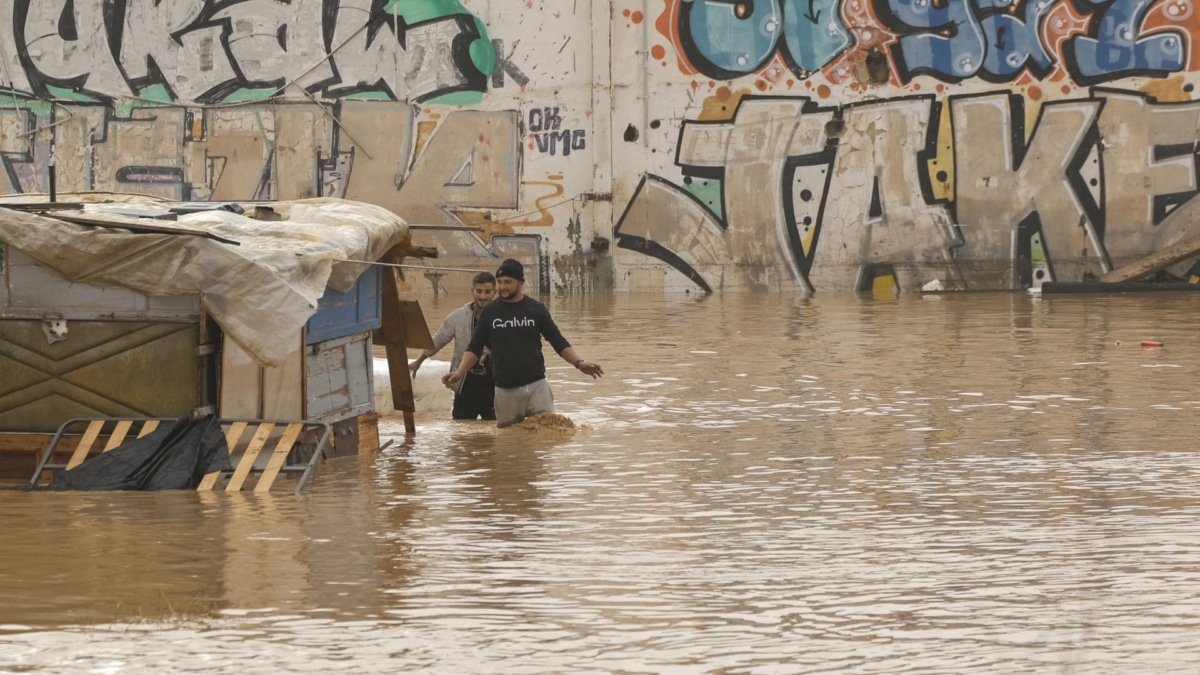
(474, 395)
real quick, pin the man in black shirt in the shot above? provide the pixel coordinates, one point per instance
(513, 327)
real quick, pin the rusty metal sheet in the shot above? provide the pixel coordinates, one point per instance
(101, 369)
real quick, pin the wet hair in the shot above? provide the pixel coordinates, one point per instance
(484, 278)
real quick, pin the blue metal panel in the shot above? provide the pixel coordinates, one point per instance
(342, 314)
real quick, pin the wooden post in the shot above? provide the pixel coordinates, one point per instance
(395, 342)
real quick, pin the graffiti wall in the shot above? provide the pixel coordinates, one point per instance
(643, 144)
(417, 105)
(841, 144)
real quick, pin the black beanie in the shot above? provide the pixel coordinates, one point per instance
(511, 268)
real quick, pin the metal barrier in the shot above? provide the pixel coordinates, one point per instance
(276, 449)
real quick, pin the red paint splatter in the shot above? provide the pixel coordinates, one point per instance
(823, 91)
(658, 52)
(916, 86)
(1035, 93)
(941, 88)
(625, 14)
(695, 85)
(723, 94)
(1066, 89)
(760, 85)
(637, 17)
(665, 24)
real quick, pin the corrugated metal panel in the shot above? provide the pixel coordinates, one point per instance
(33, 290)
(342, 314)
(102, 369)
(340, 378)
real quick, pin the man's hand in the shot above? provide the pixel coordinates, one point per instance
(450, 378)
(593, 369)
(413, 366)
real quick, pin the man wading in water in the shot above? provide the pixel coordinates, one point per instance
(513, 328)
(473, 396)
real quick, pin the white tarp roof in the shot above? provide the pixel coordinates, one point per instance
(260, 292)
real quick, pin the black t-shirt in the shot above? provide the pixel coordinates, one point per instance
(514, 331)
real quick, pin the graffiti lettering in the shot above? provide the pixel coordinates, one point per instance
(1113, 48)
(201, 51)
(547, 121)
(1079, 195)
(728, 38)
(996, 40)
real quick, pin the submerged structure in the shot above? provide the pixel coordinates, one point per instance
(133, 307)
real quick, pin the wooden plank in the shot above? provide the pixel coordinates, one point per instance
(20, 454)
(85, 443)
(278, 457)
(118, 435)
(148, 428)
(1052, 287)
(368, 433)
(1144, 267)
(416, 330)
(249, 457)
(241, 382)
(138, 225)
(394, 340)
(283, 386)
(232, 437)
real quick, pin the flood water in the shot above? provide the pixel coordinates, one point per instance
(761, 484)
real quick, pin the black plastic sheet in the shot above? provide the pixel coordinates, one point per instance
(173, 457)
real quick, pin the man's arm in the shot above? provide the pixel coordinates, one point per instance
(582, 365)
(479, 340)
(441, 338)
(470, 358)
(564, 349)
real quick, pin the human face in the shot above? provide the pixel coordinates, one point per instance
(509, 288)
(483, 294)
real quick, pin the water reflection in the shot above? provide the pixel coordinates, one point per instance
(761, 484)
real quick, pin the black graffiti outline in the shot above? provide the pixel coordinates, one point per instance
(654, 249)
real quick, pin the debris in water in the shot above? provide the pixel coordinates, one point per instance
(543, 421)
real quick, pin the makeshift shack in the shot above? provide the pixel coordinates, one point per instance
(147, 308)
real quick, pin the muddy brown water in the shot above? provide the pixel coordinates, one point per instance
(770, 484)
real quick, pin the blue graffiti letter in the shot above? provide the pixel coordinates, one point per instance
(1012, 43)
(1113, 49)
(945, 42)
(725, 39)
(813, 32)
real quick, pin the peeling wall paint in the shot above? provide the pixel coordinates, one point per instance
(630, 145)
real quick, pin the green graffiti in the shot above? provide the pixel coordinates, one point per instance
(62, 94)
(248, 95)
(1037, 252)
(709, 194)
(483, 55)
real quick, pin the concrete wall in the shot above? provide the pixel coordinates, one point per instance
(679, 144)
